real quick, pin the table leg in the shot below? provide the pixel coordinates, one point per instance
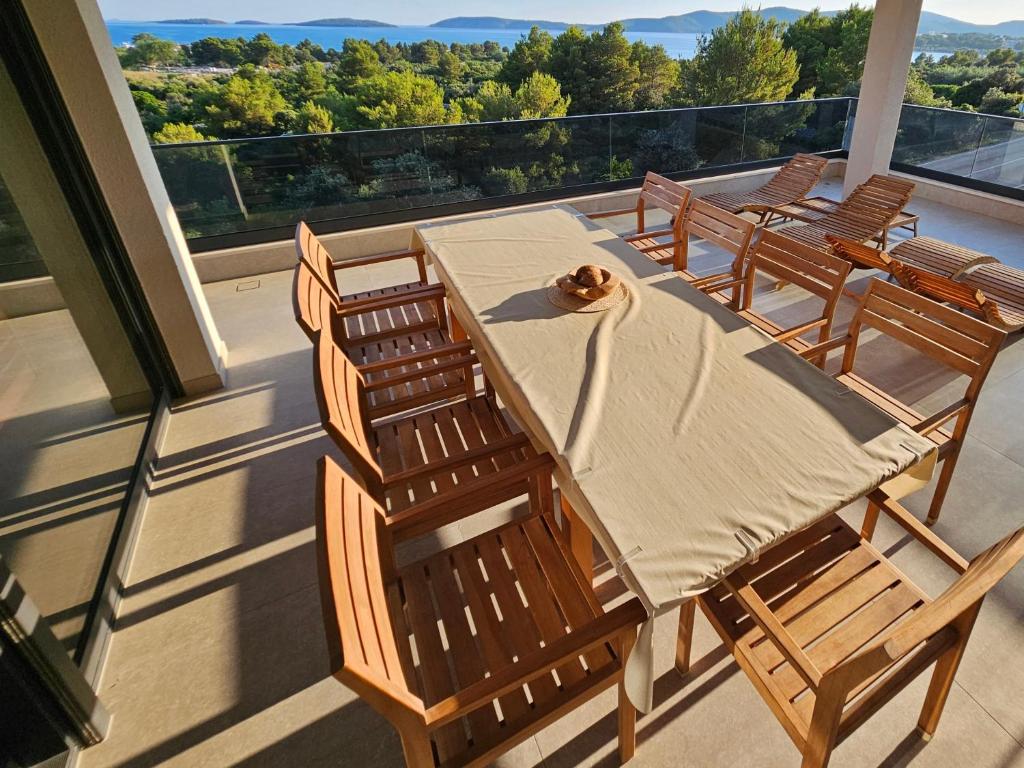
(459, 334)
(581, 540)
(684, 640)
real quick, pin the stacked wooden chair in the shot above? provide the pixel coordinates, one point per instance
(508, 634)
(669, 196)
(862, 216)
(829, 631)
(405, 329)
(950, 338)
(792, 183)
(731, 233)
(788, 261)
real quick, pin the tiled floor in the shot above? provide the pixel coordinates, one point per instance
(218, 658)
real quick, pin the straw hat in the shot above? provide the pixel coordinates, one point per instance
(573, 303)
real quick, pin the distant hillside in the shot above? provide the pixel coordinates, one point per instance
(253, 23)
(190, 21)
(495, 22)
(341, 23)
(702, 22)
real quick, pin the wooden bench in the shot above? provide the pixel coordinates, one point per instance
(790, 184)
(950, 338)
(508, 634)
(829, 631)
(669, 196)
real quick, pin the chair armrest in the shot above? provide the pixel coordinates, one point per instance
(606, 214)
(925, 535)
(929, 425)
(419, 373)
(415, 357)
(714, 283)
(595, 633)
(800, 330)
(652, 233)
(826, 346)
(376, 258)
(374, 303)
(445, 508)
(519, 440)
(774, 629)
(982, 574)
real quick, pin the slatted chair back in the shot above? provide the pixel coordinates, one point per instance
(795, 179)
(794, 262)
(859, 255)
(728, 231)
(659, 192)
(309, 299)
(356, 568)
(312, 251)
(949, 337)
(873, 204)
(344, 410)
(939, 288)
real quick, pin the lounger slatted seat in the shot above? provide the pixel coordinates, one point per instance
(669, 196)
(829, 631)
(949, 337)
(438, 460)
(792, 182)
(731, 233)
(788, 261)
(939, 257)
(1003, 287)
(862, 216)
(476, 648)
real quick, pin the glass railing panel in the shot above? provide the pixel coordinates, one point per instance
(231, 187)
(939, 139)
(1000, 155)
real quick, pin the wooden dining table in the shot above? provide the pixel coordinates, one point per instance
(687, 440)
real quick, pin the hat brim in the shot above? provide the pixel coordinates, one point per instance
(573, 303)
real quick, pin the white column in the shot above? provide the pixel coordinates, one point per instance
(890, 49)
(77, 47)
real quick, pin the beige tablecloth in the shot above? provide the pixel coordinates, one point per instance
(686, 439)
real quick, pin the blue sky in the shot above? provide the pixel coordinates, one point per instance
(584, 11)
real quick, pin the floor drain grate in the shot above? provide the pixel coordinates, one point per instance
(247, 285)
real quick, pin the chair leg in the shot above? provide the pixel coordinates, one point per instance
(944, 674)
(581, 540)
(627, 712)
(418, 753)
(867, 530)
(824, 727)
(684, 639)
(945, 475)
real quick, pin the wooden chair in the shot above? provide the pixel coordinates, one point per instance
(828, 630)
(656, 192)
(789, 261)
(391, 355)
(413, 312)
(1003, 287)
(514, 610)
(729, 232)
(436, 461)
(950, 338)
(862, 216)
(792, 182)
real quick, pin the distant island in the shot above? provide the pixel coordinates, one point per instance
(496, 22)
(190, 21)
(253, 23)
(341, 23)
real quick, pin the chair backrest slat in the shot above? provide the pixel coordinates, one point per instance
(786, 259)
(312, 251)
(309, 299)
(726, 230)
(341, 396)
(356, 565)
(797, 177)
(938, 287)
(944, 334)
(860, 255)
(664, 193)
